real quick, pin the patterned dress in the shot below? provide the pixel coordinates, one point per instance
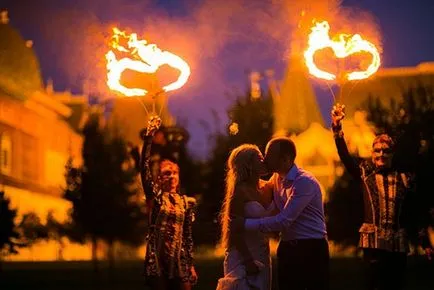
(169, 251)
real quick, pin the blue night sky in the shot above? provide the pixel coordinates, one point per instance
(221, 39)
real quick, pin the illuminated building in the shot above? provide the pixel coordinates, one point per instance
(39, 131)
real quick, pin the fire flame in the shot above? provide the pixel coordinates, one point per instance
(145, 58)
(342, 47)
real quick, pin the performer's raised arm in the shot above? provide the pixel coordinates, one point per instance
(145, 171)
(338, 114)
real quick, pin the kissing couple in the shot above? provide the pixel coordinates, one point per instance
(289, 203)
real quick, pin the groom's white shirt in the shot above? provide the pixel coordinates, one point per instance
(298, 196)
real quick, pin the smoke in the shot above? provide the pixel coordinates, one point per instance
(215, 37)
(301, 15)
(220, 40)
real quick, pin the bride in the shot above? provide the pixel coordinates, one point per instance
(247, 263)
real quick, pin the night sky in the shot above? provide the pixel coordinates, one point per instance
(221, 40)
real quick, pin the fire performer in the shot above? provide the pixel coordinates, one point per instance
(390, 205)
(169, 252)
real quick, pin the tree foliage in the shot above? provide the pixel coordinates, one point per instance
(31, 229)
(8, 233)
(103, 191)
(344, 211)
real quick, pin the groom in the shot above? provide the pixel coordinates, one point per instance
(303, 254)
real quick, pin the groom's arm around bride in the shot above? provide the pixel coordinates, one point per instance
(303, 255)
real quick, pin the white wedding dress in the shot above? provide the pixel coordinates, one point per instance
(258, 243)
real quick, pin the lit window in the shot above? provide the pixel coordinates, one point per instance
(5, 153)
(29, 157)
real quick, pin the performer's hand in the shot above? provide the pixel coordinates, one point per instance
(338, 114)
(429, 253)
(154, 124)
(193, 276)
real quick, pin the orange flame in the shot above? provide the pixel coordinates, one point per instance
(146, 58)
(342, 47)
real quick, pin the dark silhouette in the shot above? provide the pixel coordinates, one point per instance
(103, 192)
(8, 232)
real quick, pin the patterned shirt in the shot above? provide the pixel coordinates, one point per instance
(169, 251)
(390, 203)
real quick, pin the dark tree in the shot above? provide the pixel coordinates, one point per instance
(103, 192)
(344, 211)
(8, 233)
(123, 216)
(31, 229)
(409, 122)
(90, 195)
(72, 193)
(56, 231)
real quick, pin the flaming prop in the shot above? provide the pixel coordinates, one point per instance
(145, 58)
(343, 46)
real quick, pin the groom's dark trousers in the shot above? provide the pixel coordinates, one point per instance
(303, 264)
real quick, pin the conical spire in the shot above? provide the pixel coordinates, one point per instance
(296, 106)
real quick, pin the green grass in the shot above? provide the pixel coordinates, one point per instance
(346, 273)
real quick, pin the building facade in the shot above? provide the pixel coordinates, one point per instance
(39, 131)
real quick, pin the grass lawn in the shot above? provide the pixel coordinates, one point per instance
(346, 273)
